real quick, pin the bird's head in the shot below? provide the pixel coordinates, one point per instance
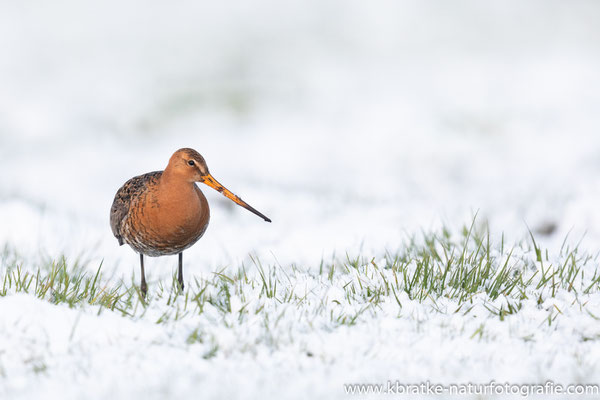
(188, 164)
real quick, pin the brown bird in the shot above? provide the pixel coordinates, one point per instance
(163, 212)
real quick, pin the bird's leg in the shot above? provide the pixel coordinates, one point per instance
(180, 276)
(143, 286)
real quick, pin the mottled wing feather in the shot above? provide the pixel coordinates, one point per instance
(120, 207)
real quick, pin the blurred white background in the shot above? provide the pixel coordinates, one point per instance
(351, 124)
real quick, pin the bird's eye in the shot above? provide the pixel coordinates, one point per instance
(191, 162)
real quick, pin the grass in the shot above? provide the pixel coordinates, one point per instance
(57, 283)
(436, 269)
(439, 288)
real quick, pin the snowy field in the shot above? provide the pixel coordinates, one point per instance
(355, 126)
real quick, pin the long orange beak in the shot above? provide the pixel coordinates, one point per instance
(213, 183)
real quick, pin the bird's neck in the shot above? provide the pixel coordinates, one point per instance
(173, 184)
(172, 178)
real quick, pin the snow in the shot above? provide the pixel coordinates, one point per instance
(106, 355)
(352, 125)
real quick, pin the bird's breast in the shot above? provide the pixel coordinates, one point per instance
(170, 219)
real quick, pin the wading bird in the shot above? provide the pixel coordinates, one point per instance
(163, 212)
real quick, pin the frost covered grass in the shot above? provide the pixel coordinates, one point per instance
(466, 271)
(58, 283)
(442, 299)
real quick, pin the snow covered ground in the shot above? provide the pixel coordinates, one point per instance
(352, 125)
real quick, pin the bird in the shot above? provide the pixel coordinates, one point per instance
(164, 212)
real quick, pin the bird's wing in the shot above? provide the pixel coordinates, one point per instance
(122, 202)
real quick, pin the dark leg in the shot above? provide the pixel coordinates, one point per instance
(180, 276)
(143, 286)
